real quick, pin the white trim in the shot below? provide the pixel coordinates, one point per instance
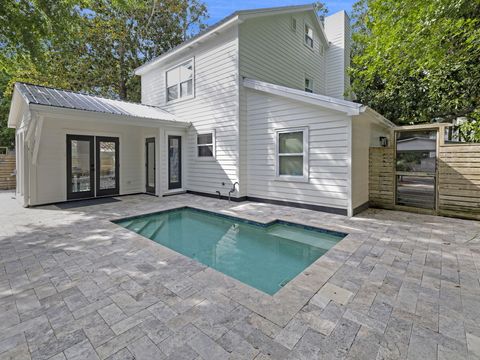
(306, 167)
(349, 169)
(156, 163)
(237, 18)
(105, 117)
(183, 159)
(17, 108)
(293, 20)
(180, 99)
(305, 25)
(214, 146)
(38, 135)
(149, 65)
(378, 117)
(310, 79)
(348, 107)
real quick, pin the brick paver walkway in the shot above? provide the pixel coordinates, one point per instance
(73, 285)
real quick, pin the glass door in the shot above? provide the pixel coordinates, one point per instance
(107, 166)
(150, 165)
(80, 167)
(174, 162)
(416, 166)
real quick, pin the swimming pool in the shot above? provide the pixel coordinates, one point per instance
(265, 256)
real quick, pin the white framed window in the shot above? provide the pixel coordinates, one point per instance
(206, 145)
(308, 36)
(180, 81)
(308, 85)
(292, 154)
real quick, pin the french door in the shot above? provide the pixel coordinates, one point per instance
(174, 162)
(80, 167)
(92, 166)
(150, 165)
(107, 166)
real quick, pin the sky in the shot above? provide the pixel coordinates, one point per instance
(218, 9)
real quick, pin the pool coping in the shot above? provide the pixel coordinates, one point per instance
(281, 307)
(244, 220)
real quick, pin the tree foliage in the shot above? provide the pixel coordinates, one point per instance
(417, 61)
(88, 45)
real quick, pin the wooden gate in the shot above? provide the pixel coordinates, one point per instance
(458, 179)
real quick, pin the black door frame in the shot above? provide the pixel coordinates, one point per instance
(84, 194)
(116, 189)
(175, 185)
(150, 189)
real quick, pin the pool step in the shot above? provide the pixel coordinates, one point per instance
(136, 225)
(157, 230)
(145, 226)
(126, 224)
(313, 239)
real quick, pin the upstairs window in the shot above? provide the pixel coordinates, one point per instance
(308, 85)
(308, 36)
(180, 82)
(292, 154)
(294, 24)
(206, 145)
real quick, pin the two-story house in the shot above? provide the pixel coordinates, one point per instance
(253, 108)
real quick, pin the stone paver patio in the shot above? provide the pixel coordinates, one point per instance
(73, 285)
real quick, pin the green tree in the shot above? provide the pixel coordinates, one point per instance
(88, 45)
(417, 61)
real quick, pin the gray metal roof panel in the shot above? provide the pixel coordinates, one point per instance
(42, 95)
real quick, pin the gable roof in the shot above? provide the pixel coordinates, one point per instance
(226, 23)
(47, 96)
(328, 102)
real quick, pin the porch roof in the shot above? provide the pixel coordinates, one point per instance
(348, 107)
(64, 99)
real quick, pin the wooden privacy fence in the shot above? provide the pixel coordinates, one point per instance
(381, 177)
(7, 169)
(458, 180)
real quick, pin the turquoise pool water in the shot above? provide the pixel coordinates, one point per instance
(263, 256)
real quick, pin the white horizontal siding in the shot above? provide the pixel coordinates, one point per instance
(337, 29)
(271, 51)
(214, 107)
(366, 134)
(328, 183)
(50, 171)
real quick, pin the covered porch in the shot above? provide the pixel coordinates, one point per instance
(72, 146)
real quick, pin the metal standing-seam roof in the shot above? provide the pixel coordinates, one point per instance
(42, 95)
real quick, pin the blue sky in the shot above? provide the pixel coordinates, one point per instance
(218, 9)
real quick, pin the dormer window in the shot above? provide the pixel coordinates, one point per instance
(308, 36)
(180, 81)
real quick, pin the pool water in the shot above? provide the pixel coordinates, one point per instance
(266, 257)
